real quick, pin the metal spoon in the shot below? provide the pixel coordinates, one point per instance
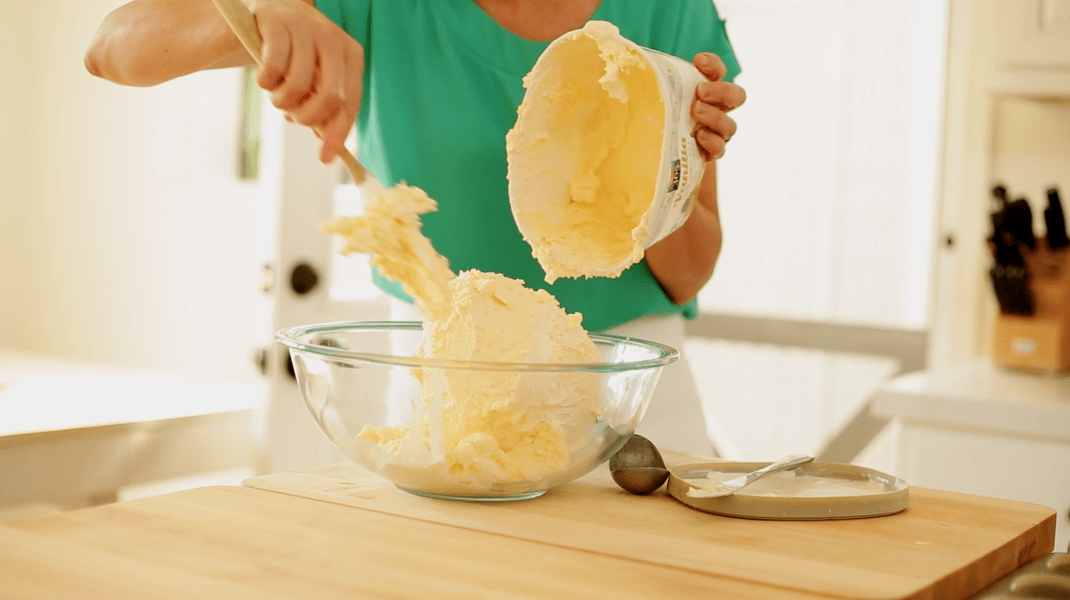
(638, 466)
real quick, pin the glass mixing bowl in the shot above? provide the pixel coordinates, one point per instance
(466, 429)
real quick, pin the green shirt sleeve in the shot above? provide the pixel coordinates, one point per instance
(351, 15)
(698, 28)
(724, 48)
(711, 29)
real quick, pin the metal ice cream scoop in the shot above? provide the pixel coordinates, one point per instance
(638, 466)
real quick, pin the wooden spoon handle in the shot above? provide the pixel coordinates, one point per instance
(241, 21)
(243, 24)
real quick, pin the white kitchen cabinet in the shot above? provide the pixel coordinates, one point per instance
(74, 433)
(1038, 33)
(984, 430)
(1035, 48)
(989, 464)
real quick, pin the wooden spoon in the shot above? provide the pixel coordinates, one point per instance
(241, 21)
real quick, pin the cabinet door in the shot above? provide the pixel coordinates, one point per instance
(1038, 33)
(307, 288)
(987, 464)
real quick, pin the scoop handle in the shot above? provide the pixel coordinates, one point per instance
(243, 24)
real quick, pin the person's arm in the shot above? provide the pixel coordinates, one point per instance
(312, 68)
(147, 42)
(683, 261)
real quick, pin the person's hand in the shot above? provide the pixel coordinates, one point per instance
(312, 68)
(713, 100)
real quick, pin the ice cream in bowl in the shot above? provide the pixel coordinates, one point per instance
(498, 392)
(483, 428)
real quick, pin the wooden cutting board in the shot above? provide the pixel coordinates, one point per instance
(944, 546)
(245, 544)
(341, 532)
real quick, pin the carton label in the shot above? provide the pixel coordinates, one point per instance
(682, 163)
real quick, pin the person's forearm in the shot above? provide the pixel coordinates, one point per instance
(147, 42)
(683, 261)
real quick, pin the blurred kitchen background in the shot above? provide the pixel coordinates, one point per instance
(154, 239)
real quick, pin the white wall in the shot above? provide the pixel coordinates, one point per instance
(124, 238)
(127, 237)
(15, 100)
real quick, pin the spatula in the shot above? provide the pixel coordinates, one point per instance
(241, 21)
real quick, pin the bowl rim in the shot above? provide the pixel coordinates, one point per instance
(288, 336)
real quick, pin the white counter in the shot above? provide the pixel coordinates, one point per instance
(982, 396)
(74, 433)
(984, 430)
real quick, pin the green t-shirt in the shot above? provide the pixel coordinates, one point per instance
(442, 84)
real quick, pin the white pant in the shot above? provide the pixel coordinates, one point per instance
(675, 419)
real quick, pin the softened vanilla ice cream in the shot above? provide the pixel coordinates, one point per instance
(389, 231)
(792, 484)
(585, 167)
(602, 160)
(476, 427)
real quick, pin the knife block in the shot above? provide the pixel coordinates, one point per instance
(1041, 341)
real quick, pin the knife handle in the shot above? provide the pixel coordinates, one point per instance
(1055, 220)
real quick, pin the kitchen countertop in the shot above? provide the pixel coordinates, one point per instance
(44, 394)
(341, 532)
(975, 394)
(75, 433)
(981, 395)
(959, 426)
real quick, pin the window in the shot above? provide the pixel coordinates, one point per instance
(828, 202)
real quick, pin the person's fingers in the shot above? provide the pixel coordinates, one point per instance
(710, 65)
(353, 79)
(334, 138)
(329, 105)
(296, 86)
(327, 91)
(714, 130)
(714, 119)
(274, 55)
(712, 145)
(312, 69)
(723, 95)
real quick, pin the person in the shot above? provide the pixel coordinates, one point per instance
(432, 87)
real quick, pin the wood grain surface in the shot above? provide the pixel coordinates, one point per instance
(945, 545)
(341, 532)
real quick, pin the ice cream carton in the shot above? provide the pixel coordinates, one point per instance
(682, 162)
(603, 160)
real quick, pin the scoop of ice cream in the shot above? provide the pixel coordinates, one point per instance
(523, 423)
(585, 153)
(389, 230)
(486, 425)
(495, 318)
